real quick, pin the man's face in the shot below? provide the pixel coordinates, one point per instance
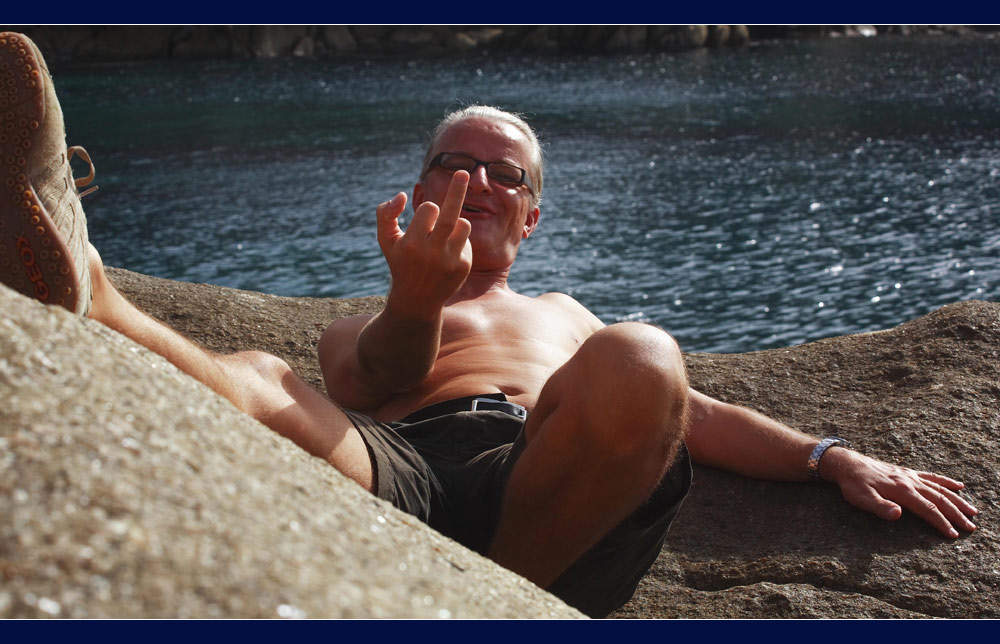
(501, 213)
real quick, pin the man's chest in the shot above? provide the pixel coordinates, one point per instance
(514, 324)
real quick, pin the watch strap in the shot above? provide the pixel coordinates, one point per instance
(812, 464)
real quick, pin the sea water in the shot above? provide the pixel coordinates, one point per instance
(741, 199)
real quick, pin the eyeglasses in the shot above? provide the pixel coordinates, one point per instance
(504, 172)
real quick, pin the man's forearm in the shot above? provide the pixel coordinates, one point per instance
(428, 263)
(397, 349)
(745, 442)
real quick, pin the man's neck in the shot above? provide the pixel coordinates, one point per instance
(480, 283)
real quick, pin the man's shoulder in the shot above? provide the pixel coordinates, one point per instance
(560, 299)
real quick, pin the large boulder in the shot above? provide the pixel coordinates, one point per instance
(129, 490)
(134, 491)
(925, 394)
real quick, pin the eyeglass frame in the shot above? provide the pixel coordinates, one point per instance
(525, 180)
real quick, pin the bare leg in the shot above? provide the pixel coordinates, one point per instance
(607, 425)
(261, 385)
(44, 254)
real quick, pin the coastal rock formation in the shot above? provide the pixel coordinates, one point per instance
(925, 394)
(134, 42)
(129, 490)
(119, 42)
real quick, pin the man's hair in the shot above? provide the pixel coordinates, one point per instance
(535, 170)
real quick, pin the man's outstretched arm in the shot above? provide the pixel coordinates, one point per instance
(365, 360)
(744, 442)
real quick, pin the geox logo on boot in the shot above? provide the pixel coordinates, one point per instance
(31, 267)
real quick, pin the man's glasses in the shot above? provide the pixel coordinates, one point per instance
(504, 172)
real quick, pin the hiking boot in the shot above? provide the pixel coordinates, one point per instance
(43, 231)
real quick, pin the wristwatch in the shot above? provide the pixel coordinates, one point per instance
(812, 465)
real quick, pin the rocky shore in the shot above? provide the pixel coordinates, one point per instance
(121, 42)
(129, 490)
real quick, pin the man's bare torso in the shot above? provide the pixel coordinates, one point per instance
(499, 342)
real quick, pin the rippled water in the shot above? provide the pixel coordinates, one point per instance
(741, 199)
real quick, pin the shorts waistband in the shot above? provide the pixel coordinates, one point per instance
(482, 402)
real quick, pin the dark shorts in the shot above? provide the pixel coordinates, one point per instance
(450, 471)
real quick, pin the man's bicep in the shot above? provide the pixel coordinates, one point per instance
(338, 360)
(703, 432)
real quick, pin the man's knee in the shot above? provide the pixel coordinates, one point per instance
(638, 362)
(269, 367)
(257, 367)
(629, 386)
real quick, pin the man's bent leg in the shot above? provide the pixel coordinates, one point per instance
(44, 254)
(607, 426)
(261, 385)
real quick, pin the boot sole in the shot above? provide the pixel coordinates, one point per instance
(34, 258)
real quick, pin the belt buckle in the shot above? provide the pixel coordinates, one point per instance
(507, 407)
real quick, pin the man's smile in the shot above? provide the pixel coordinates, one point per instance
(475, 211)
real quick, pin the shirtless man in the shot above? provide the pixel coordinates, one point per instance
(522, 427)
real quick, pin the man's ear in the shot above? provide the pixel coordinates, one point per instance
(530, 223)
(418, 195)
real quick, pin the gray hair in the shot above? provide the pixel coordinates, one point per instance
(535, 169)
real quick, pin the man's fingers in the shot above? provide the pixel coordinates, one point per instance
(940, 479)
(956, 509)
(931, 502)
(889, 510)
(424, 219)
(870, 500)
(954, 506)
(451, 207)
(886, 490)
(932, 508)
(387, 220)
(459, 235)
(392, 209)
(913, 501)
(950, 493)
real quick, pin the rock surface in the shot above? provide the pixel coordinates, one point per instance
(925, 394)
(136, 42)
(128, 490)
(133, 491)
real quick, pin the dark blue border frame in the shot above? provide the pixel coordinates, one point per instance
(546, 12)
(543, 12)
(485, 631)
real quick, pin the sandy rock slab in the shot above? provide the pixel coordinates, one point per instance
(135, 492)
(925, 394)
(129, 490)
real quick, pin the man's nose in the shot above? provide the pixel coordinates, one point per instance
(479, 180)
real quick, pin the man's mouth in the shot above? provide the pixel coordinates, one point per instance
(466, 208)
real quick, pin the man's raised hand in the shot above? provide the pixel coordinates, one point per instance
(430, 261)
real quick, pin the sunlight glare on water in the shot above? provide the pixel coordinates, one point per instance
(742, 199)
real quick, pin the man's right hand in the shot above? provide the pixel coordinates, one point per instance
(367, 359)
(432, 259)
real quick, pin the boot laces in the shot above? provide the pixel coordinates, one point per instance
(78, 150)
